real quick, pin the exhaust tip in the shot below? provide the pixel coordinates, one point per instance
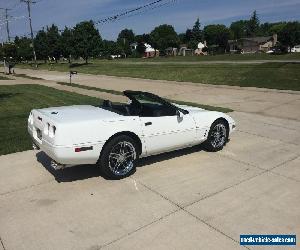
(35, 147)
(56, 165)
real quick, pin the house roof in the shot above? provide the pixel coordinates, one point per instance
(149, 48)
(258, 39)
(201, 45)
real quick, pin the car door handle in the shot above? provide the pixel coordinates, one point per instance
(148, 123)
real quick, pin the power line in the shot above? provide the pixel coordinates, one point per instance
(149, 9)
(3, 21)
(135, 11)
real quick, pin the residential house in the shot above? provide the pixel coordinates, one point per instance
(133, 46)
(184, 50)
(200, 49)
(253, 44)
(149, 51)
(171, 51)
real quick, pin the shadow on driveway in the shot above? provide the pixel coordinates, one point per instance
(82, 172)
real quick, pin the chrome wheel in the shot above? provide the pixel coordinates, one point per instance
(121, 158)
(218, 136)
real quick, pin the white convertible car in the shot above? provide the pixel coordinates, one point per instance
(115, 136)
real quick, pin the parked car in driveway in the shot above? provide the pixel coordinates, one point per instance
(115, 136)
(295, 49)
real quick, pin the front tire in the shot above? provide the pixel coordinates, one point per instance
(119, 157)
(217, 136)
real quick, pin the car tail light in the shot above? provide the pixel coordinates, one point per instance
(46, 129)
(52, 130)
(30, 118)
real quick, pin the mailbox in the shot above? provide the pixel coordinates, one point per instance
(72, 73)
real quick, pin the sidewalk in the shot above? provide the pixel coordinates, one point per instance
(268, 102)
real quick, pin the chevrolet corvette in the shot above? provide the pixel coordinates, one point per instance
(115, 136)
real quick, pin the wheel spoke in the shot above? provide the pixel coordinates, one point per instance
(129, 155)
(121, 158)
(218, 136)
(114, 155)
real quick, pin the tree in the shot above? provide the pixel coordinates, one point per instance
(145, 38)
(239, 29)
(53, 42)
(276, 28)
(9, 51)
(217, 35)
(128, 35)
(182, 38)
(125, 38)
(253, 25)
(194, 36)
(67, 43)
(87, 40)
(141, 48)
(188, 35)
(197, 34)
(23, 46)
(41, 45)
(289, 36)
(164, 36)
(110, 48)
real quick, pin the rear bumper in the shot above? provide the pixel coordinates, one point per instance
(66, 155)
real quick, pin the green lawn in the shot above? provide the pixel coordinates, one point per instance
(15, 104)
(274, 75)
(224, 57)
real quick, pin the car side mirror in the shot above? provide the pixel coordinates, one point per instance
(179, 113)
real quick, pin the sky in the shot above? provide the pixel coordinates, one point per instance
(182, 14)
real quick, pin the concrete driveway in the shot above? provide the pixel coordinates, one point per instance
(189, 199)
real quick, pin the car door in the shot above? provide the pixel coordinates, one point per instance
(168, 132)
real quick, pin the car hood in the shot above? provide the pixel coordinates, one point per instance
(77, 113)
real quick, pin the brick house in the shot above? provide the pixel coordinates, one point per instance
(253, 44)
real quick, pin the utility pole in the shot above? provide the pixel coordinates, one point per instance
(29, 2)
(6, 19)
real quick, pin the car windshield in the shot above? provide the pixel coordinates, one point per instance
(145, 98)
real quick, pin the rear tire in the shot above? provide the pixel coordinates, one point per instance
(217, 136)
(119, 157)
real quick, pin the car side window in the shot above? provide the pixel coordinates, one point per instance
(154, 108)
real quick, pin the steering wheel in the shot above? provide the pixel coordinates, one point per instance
(136, 108)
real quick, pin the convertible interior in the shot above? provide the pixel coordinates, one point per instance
(142, 104)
